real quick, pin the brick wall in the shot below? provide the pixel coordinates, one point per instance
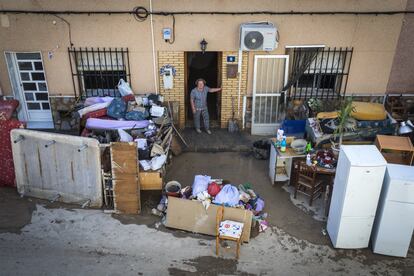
(230, 88)
(175, 59)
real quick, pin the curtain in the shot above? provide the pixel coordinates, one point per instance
(302, 59)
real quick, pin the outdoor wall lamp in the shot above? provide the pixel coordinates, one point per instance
(203, 45)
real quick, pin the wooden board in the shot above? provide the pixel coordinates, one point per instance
(125, 178)
(190, 215)
(150, 180)
(50, 164)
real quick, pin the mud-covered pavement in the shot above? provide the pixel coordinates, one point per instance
(40, 238)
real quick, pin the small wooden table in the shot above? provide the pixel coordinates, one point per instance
(396, 149)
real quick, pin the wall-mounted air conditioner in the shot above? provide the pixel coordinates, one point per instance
(261, 36)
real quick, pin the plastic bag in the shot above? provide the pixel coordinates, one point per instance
(117, 109)
(229, 196)
(124, 88)
(158, 161)
(124, 136)
(200, 184)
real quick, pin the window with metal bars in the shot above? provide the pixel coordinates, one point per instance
(97, 71)
(319, 72)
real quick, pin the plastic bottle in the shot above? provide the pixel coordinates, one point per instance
(308, 160)
(283, 144)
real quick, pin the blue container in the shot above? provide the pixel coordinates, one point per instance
(294, 127)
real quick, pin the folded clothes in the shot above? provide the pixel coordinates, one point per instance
(94, 123)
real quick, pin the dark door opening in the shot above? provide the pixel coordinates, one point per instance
(206, 66)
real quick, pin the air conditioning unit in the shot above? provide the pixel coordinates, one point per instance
(261, 36)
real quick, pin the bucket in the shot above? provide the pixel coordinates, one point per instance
(173, 188)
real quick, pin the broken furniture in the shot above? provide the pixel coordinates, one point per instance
(125, 179)
(396, 149)
(192, 216)
(280, 163)
(400, 107)
(228, 230)
(57, 166)
(7, 124)
(307, 183)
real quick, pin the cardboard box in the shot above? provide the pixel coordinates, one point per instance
(191, 216)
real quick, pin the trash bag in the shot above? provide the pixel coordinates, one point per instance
(213, 189)
(200, 184)
(261, 149)
(228, 196)
(124, 88)
(124, 136)
(117, 109)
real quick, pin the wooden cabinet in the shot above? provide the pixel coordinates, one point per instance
(395, 149)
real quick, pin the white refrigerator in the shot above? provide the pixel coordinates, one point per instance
(358, 180)
(394, 222)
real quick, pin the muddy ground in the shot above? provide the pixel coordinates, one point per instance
(38, 237)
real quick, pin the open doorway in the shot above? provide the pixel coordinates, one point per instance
(207, 66)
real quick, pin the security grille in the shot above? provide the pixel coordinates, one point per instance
(320, 73)
(96, 71)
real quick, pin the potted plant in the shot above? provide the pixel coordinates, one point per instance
(344, 114)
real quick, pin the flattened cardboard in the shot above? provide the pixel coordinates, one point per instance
(191, 216)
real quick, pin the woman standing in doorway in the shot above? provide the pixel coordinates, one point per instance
(199, 104)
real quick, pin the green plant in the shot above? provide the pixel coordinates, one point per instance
(344, 114)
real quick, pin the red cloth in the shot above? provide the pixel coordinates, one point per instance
(7, 177)
(95, 114)
(7, 108)
(128, 98)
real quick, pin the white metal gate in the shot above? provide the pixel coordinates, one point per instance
(270, 76)
(28, 80)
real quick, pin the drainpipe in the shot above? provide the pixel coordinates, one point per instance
(154, 58)
(239, 69)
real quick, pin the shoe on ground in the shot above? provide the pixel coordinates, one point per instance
(198, 130)
(208, 131)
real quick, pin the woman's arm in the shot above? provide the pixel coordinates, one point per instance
(214, 90)
(192, 105)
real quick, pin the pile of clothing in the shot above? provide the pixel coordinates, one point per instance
(218, 191)
(141, 119)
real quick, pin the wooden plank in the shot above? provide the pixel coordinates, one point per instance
(150, 180)
(125, 178)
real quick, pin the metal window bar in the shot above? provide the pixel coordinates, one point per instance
(330, 68)
(96, 71)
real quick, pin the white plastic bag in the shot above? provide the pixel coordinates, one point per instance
(228, 196)
(158, 161)
(124, 88)
(124, 136)
(200, 184)
(157, 111)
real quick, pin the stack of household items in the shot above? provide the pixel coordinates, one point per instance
(102, 165)
(194, 208)
(365, 122)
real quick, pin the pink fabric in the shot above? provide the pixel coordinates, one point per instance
(94, 123)
(7, 177)
(7, 108)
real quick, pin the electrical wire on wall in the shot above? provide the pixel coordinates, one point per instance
(141, 14)
(69, 29)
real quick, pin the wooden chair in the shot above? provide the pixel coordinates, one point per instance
(221, 236)
(307, 183)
